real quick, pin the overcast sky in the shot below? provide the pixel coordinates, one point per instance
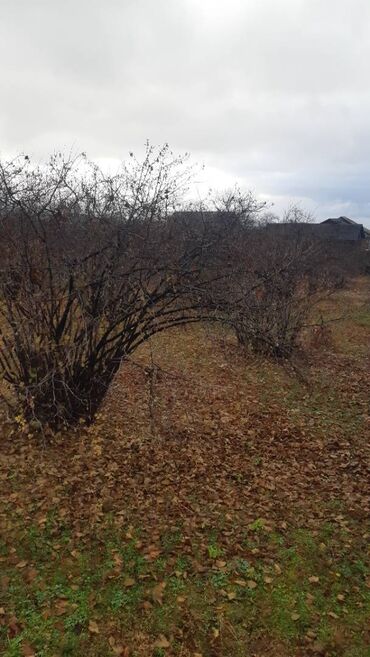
(272, 93)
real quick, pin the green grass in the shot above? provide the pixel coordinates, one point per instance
(362, 317)
(310, 588)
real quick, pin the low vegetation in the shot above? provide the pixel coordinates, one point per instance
(216, 513)
(184, 426)
(92, 266)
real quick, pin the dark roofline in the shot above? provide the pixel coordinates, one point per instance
(345, 221)
(339, 220)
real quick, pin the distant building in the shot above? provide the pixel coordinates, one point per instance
(339, 229)
(216, 222)
(346, 229)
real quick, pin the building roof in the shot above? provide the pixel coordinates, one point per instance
(339, 220)
(345, 221)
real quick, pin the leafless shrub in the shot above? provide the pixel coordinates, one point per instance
(321, 336)
(272, 292)
(91, 267)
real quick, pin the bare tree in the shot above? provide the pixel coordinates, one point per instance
(272, 288)
(91, 267)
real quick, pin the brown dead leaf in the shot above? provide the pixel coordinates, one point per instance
(231, 595)
(157, 592)
(94, 627)
(318, 648)
(162, 642)
(31, 574)
(122, 651)
(4, 582)
(310, 636)
(118, 649)
(152, 553)
(27, 650)
(129, 581)
(240, 582)
(14, 626)
(251, 584)
(61, 606)
(310, 599)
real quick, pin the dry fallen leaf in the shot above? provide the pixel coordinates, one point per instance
(310, 599)
(118, 649)
(318, 647)
(94, 627)
(4, 582)
(31, 574)
(313, 579)
(251, 584)
(181, 599)
(311, 634)
(129, 581)
(240, 582)
(231, 595)
(161, 642)
(14, 626)
(27, 650)
(157, 592)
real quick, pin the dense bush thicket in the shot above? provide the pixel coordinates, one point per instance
(271, 297)
(93, 265)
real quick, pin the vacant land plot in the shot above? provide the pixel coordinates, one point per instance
(216, 508)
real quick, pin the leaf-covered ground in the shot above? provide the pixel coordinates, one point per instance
(218, 506)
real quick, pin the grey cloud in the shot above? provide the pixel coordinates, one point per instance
(273, 93)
